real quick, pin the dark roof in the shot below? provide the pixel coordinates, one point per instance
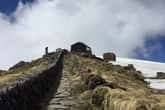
(80, 43)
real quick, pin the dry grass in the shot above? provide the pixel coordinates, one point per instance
(137, 97)
(29, 69)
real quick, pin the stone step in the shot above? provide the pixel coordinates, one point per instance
(62, 99)
(57, 107)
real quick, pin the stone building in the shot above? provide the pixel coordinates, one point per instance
(160, 75)
(80, 47)
(109, 57)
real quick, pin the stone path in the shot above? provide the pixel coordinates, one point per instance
(63, 99)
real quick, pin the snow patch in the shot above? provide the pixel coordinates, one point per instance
(148, 68)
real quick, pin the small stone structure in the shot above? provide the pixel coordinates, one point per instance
(65, 51)
(160, 75)
(109, 57)
(80, 47)
(130, 67)
(46, 51)
(59, 50)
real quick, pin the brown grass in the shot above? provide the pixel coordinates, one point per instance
(29, 69)
(137, 97)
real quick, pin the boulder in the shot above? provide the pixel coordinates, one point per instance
(109, 57)
(94, 80)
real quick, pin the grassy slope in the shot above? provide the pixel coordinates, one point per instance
(29, 69)
(138, 95)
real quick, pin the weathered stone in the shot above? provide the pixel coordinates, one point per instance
(80, 47)
(109, 57)
(46, 51)
(94, 80)
(160, 75)
(63, 99)
(27, 93)
(130, 67)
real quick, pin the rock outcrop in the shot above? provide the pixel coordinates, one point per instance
(92, 81)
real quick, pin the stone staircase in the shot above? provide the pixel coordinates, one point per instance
(62, 99)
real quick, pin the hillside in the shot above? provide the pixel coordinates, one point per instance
(137, 95)
(84, 83)
(28, 69)
(148, 69)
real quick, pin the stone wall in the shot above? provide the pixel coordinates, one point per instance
(109, 57)
(28, 93)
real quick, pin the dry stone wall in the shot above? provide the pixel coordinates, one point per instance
(28, 93)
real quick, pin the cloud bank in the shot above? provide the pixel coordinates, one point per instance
(106, 25)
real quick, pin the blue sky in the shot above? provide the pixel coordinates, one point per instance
(155, 47)
(9, 6)
(128, 28)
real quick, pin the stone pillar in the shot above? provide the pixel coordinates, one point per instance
(46, 50)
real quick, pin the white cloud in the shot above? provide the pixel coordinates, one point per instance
(106, 25)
